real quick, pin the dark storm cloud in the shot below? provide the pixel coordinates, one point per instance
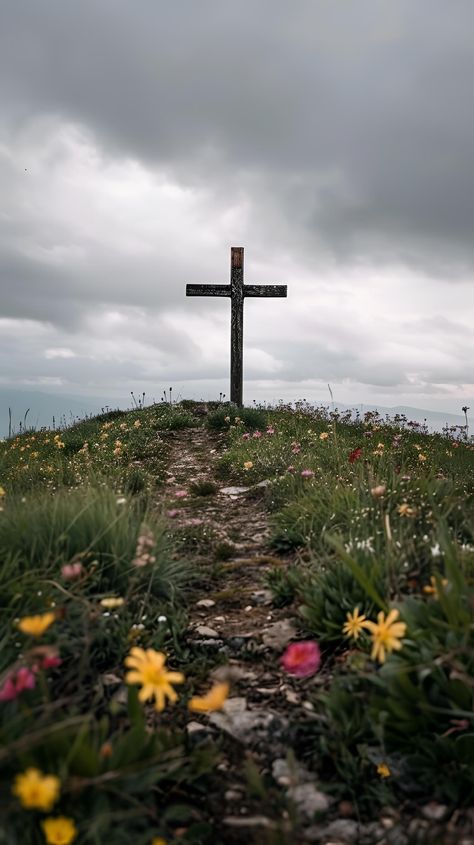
(358, 113)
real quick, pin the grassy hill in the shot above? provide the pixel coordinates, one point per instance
(362, 539)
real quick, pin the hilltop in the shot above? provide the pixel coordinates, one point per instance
(310, 581)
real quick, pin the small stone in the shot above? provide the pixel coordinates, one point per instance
(343, 830)
(195, 727)
(204, 631)
(205, 603)
(233, 491)
(232, 795)
(434, 812)
(346, 809)
(248, 608)
(219, 618)
(308, 800)
(279, 634)
(262, 597)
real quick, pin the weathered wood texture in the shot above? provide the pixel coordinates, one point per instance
(237, 292)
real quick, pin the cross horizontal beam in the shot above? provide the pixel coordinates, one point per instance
(208, 290)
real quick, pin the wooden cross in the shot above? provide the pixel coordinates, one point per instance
(237, 291)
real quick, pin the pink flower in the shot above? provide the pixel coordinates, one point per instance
(307, 473)
(302, 659)
(270, 430)
(246, 436)
(291, 468)
(181, 494)
(172, 513)
(8, 691)
(16, 684)
(296, 447)
(71, 571)
(51, 662)
(256, 434)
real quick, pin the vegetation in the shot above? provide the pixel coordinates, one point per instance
(373, 522)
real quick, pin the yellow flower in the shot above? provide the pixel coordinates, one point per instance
(2, 492)
(112, 603)
(324, 435)
(36, 791)
(35, 626)
(137, 424)
(213, 700)
(432, 590)
(383, 770)
(355, 624)
(149, 670)
(158, 840)
(248, 465)
(59, 831)
(386, 634)
(421, 457)
(405, 510)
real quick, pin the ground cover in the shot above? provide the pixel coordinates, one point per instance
(312, 572)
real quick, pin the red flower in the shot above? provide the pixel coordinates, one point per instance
(302, 659)
(355, 455)
(24, 679)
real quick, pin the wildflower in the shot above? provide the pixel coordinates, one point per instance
(158, 840)
(137, 424)
(2, 492)
(421, 457)
(36, 791)
(291, 468)
(248, 465)
(16, 683)
(173, 512)
(72, 571)
(378, 491)
(432, 589)
(302, 659)
(213, 700)
(181, 494)
(121, 500)
(112, 603)
(51, 661)
(386, 634)
(59, 831)
(405, 510)
(307, 473)
(296, 448)
(324, 435)
(270, 430)
(383, 770)
(227, 419)
(246, 436)
(355, 455)
(149, 670)
(256, 435)
(35, 626)
(355, 624)
(378, 452)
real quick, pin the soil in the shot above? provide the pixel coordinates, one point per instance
(266, 795)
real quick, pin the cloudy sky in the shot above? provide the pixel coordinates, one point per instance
(333, 139)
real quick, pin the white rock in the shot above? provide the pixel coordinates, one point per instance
(205, 603)
(204, 631)
(279, 634)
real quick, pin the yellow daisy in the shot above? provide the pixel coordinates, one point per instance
(386, 634)
(59, 831)
(35, 626)
(149, 669)
(355, 624)
(35, 790)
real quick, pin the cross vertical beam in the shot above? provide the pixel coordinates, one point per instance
(237, 292)
(236, 324)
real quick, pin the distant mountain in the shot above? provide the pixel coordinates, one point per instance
(435, 420)
(42, 407)
(65, 409)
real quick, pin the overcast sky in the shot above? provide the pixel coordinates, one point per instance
(333, 139)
